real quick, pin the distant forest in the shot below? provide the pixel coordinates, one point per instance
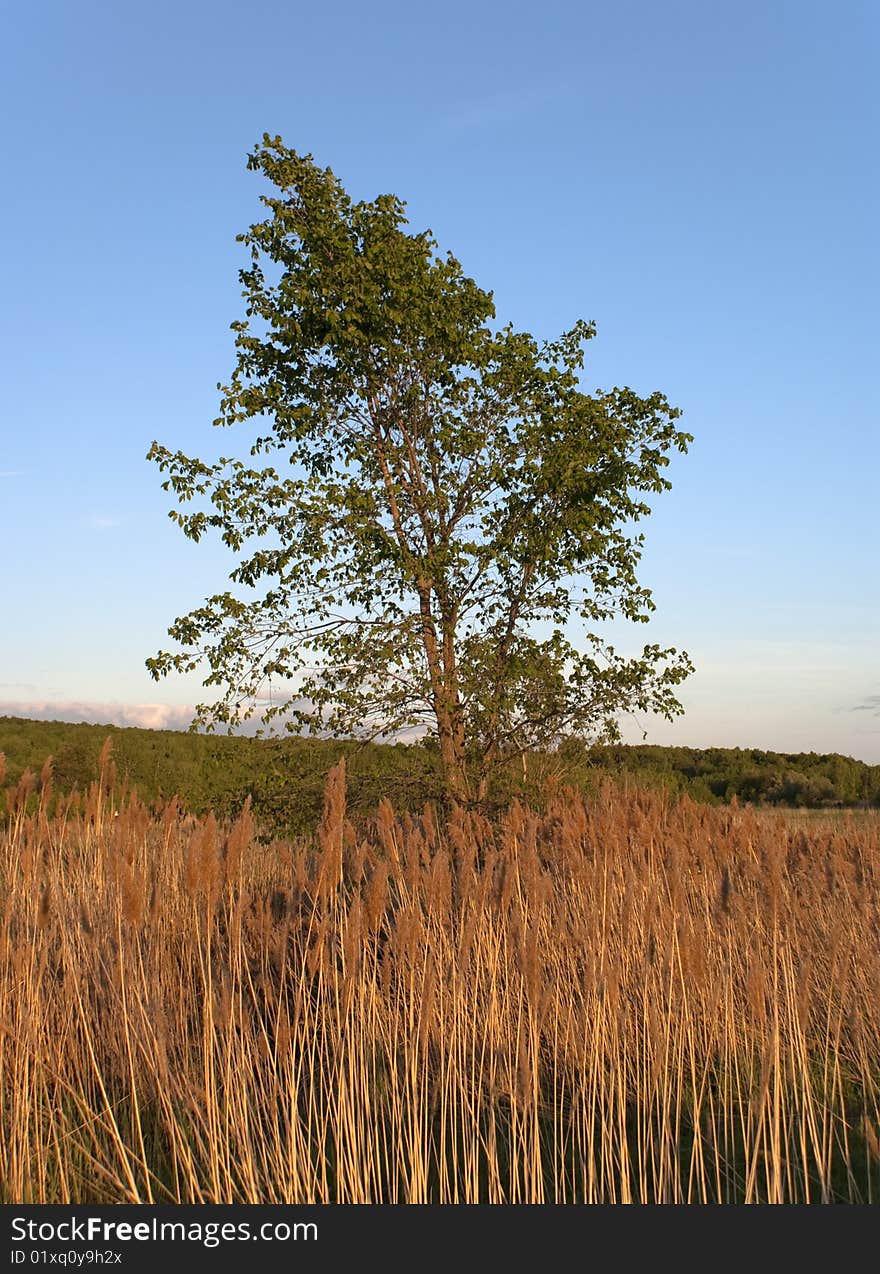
(285, 777)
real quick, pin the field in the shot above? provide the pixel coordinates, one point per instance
(627, 997)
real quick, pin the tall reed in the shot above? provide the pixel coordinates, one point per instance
(629, 999)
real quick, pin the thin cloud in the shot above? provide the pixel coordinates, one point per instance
(11, 473)
(494, 110)
(103, 521)
(871, 704)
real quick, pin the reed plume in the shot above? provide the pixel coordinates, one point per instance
(616, 999)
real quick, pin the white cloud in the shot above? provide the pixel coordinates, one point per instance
(151, 716)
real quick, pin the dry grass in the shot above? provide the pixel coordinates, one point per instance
(631, 1000)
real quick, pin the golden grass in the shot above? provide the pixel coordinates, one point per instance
(629, 999)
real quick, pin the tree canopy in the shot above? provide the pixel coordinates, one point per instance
(434, 520)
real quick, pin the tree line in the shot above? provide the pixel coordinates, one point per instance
(285, 777)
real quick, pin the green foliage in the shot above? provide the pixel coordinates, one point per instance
(285, 777)
(446, 500)
(807, 779)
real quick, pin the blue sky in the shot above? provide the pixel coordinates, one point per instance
(701, 180)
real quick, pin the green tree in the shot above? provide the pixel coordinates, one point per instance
(452, 503)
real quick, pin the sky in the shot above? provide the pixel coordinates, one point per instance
(699, 179)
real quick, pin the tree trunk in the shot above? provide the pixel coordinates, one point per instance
(454, 774)
(443, 698)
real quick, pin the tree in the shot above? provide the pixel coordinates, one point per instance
(452, 503)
